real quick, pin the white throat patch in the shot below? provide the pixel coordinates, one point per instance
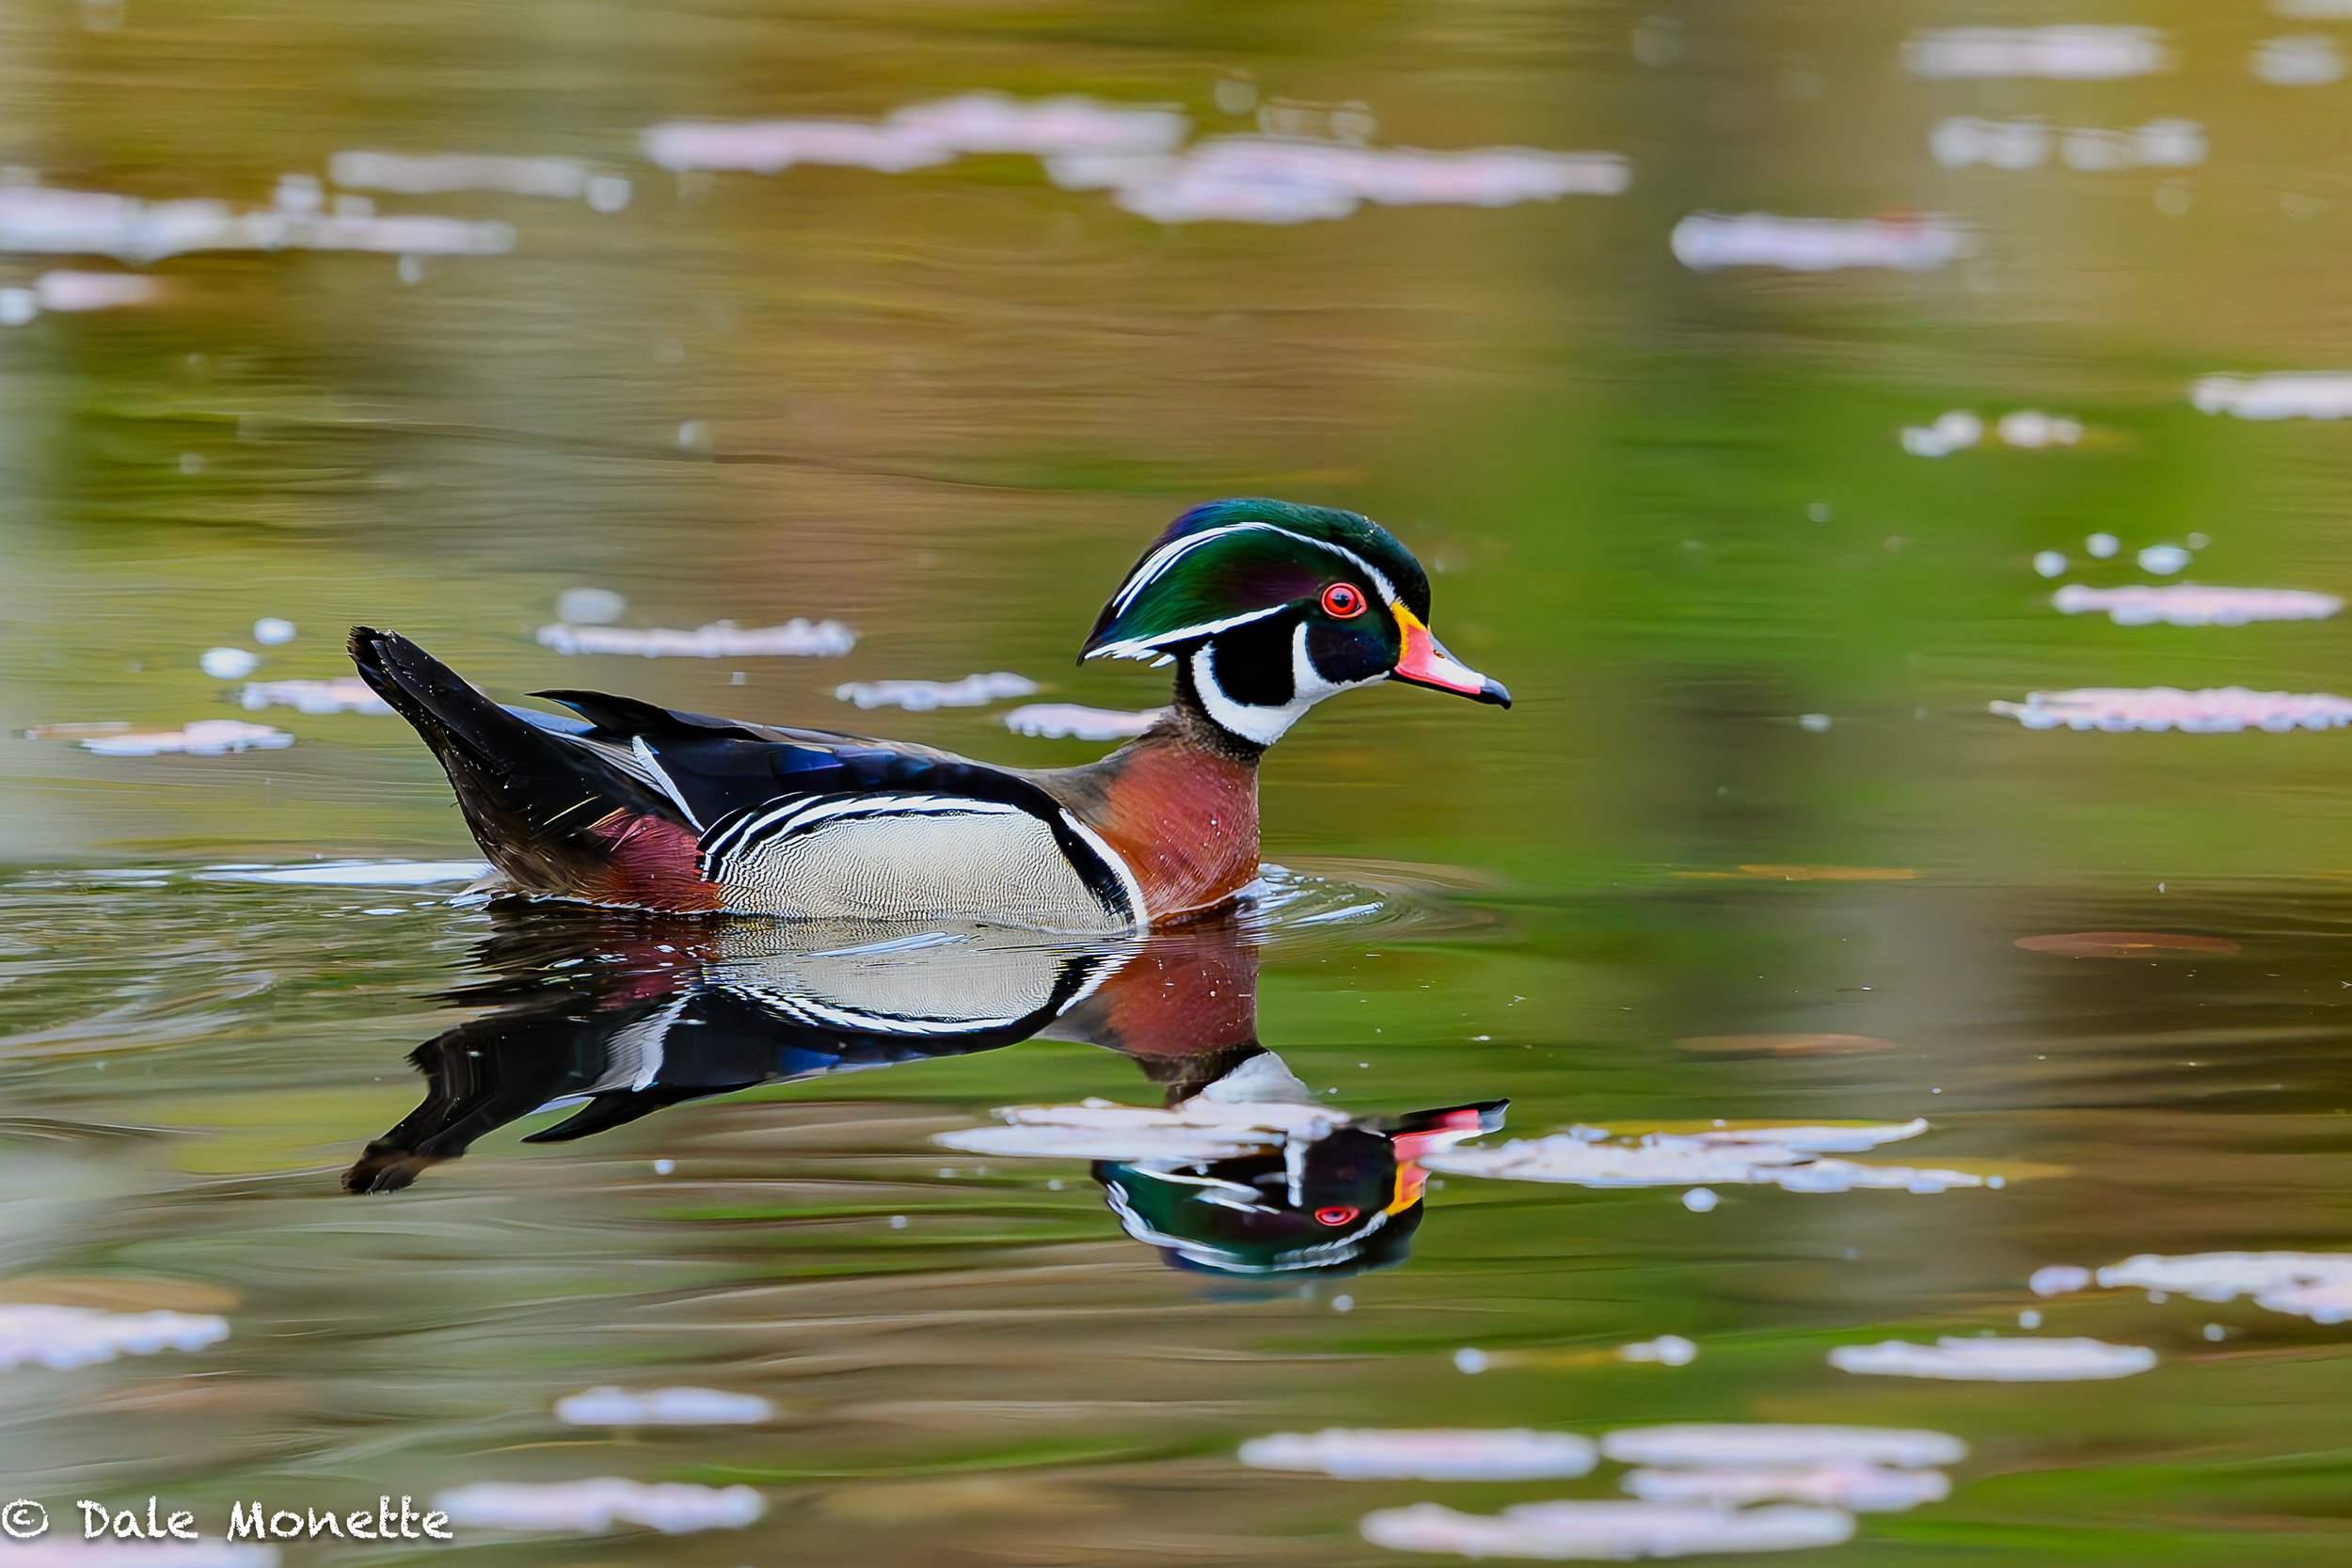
(1259, 725)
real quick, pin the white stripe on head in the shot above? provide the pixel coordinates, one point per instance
(1149, 647)
(1159, 561)
(1157, 564)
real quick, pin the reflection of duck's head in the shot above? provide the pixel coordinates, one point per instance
(1318, 1200)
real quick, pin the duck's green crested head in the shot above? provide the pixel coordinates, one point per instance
(1270, 607)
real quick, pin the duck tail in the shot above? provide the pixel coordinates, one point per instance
(549, 810)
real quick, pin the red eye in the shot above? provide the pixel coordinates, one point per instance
(1344, 600)
(1336, 1215)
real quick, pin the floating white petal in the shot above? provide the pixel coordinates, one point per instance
(36, 220)
(1070, 721)
(2079, 52)
(1516, 1454)
(204, 738)
(665, 1407)
(34, 1336)
(596, 607)
(596, 1506)
(2290, 395)
(1995, 1360)
(920, 135)
(353, 873)
(1734, 1445)
(69, 291)
(2313, 1285)
(2188, 604)
(1606, 1531)
(1205, 1128)
(1136, 153)
(795, 638)
(922, 696)
(1705, 240)
(1818, 1140)
(1964, 141)
(2302, 60)
(2059, 1279)
(342, 694)
(2029, 429)
(1270, 179)
(1790, 1158)
(2224, 710)
(433, 173)
(1862, 1487)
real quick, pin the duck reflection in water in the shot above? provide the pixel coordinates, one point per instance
(616, 1015)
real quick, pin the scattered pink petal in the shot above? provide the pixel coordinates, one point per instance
(666, 1407)
(435, 173)
(795, 638)
(37, 220)
(595, 1507)
(1516, 1454)
(919, 135)
(2190, 605)
(1994, 1359)
(95, 291)
(2291, 395)
(922, 696)
(1136, 153)
(1069, 720)
(1705, 242)
(2313, 1285)
(2067, 53)
(2059, 1279)
(341, 694)
(36, 1336)
(204, 738)
(2224, 710)
(1732, 1444)
(1610, 1531)
(1790, 1158)
(1847, 1484)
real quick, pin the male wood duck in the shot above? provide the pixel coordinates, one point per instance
(1263, 607)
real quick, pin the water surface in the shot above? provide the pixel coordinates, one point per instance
(1753, 847)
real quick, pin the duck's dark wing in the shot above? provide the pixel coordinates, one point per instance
(759, 798)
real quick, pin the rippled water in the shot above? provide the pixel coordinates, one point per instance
(1783, 398)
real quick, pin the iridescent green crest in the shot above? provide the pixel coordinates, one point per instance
(1232, 562)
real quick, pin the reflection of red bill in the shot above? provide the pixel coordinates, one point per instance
(1425, 663)
(1446, 1129)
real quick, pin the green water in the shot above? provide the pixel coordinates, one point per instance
(1751, 790)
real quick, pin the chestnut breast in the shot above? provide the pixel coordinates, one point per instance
(1184, 818)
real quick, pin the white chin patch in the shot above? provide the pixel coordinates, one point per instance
(1262, 726)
